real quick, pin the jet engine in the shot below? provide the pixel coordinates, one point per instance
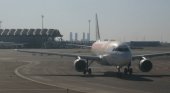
(80, 64)
(145, 65)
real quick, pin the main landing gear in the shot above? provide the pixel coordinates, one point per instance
(87, 69)
(128, 70)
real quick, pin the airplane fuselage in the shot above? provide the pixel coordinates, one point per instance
(112, 53)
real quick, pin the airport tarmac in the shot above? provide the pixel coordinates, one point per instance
(56, 74)
(11, 83)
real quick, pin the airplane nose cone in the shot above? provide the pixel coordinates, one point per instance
(124, 58)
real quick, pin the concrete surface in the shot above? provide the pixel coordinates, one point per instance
(59, 72)
(22, 72)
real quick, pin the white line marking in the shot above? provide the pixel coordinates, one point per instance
(24, 77)
(59, 86)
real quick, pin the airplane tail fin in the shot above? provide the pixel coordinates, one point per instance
(97, 29)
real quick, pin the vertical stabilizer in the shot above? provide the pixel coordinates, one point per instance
(97, 29)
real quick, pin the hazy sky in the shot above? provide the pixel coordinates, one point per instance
(121, 20)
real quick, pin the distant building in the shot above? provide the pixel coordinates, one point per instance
(144, 43)
(84, 35)
(71, 36)
(76, 36)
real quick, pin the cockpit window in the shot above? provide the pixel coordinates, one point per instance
(121, 49)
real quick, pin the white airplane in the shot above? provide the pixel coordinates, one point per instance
(108, 53)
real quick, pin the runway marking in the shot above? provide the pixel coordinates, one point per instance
(29, 89)
(24, 77)
(59, 86)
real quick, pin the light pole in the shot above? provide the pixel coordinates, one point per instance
(89, 29)
(0, 24)
(42, 16)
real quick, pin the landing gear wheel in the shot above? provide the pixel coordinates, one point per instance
(130, 71)
(125, 70)
(89, 71)
(84, 72)
(119, 74)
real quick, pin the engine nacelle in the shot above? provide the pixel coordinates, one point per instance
(80, 64)
(145, 65)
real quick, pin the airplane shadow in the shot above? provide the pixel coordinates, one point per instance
(134, 77)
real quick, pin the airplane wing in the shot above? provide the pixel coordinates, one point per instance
(88, 57)
(150, 55)
(91, 57)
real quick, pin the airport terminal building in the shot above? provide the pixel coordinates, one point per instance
(144, 44)
(46, 38)
(30, 38)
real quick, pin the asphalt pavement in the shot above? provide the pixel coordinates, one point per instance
(59, 72)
